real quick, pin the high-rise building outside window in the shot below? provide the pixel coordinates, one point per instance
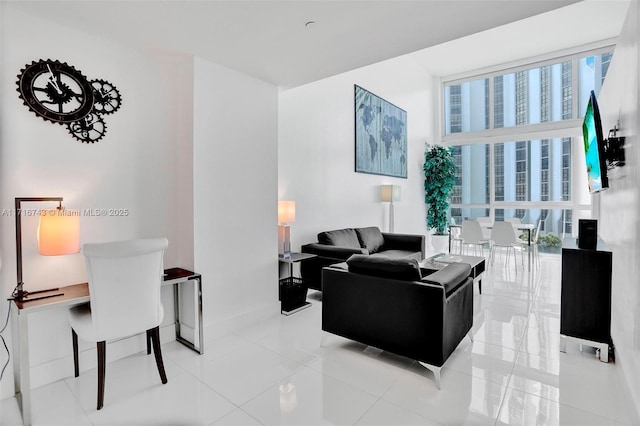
(527, 173)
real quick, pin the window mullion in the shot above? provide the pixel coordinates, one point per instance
(574, 88)
(492, 181)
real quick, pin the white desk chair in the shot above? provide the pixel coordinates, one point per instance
(472, 236)
(503, 236)
(124, 292)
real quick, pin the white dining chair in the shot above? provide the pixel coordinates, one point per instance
(534, 244)
(515, 221)
(503, 236)
(456, 238)
(471, 235)
(485, 223)
(124, 292)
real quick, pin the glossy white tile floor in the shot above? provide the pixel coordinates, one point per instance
(276, 373)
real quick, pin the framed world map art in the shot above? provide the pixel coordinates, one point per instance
(381, 135)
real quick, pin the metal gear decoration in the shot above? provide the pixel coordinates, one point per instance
(59, 93)
(55, 91)
(106, 98)
(89, 129)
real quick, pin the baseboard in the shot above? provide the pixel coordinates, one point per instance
(230, 325)
(187, 333)
(633, 399)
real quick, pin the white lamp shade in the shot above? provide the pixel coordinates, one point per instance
(389, 193)
(286, 211)
(59, 232)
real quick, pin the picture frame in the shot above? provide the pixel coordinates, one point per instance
(380, 135)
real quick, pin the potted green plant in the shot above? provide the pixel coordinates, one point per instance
(439, 178)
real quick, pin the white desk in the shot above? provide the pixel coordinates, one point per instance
(76, 295)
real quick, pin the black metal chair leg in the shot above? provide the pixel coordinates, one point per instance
(102, 355)
(155, 339)
(148, 342)
(76, 363)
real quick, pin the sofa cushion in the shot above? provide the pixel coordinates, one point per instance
(370, 238)
(400, 254)
(450, 277)
(385, 267)
(340, 237)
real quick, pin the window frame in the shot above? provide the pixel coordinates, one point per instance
(546, 130)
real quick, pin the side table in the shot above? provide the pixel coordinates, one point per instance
(293, 290)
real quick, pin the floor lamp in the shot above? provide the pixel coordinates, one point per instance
(58, 234)
(389, 194)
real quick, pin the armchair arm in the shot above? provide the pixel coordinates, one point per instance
(411, 242)
(458, 317)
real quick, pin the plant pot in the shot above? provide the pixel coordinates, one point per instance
(440, 243)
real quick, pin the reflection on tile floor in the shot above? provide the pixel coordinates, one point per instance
(276, 372)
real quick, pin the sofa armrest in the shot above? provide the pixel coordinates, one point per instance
(332, 252)
(412, 242)
(311, 269)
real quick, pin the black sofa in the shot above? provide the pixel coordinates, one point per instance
(338, 245)
(394, 305)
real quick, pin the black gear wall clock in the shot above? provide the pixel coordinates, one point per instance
(59, 93)
(105, 96)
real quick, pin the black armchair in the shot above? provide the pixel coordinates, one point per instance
(420, 318)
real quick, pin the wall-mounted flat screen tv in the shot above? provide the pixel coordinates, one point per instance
(594, 147)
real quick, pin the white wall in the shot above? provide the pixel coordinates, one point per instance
(619, 222)
(235, 181)
(316, 151)
(133, 167)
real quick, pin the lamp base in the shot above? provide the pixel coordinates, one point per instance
(284, 240)
(26, 296)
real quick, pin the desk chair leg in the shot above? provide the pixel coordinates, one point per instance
(102, 361)
(148, 342)
(155, 339)
(76, 364)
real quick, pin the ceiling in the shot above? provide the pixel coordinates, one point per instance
(272, 41)
(583, 25)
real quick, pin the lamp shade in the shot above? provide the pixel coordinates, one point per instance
(59, 232)
(286, 211)
(389, 193)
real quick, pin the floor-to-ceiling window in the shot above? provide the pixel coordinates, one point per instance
(517, 142)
